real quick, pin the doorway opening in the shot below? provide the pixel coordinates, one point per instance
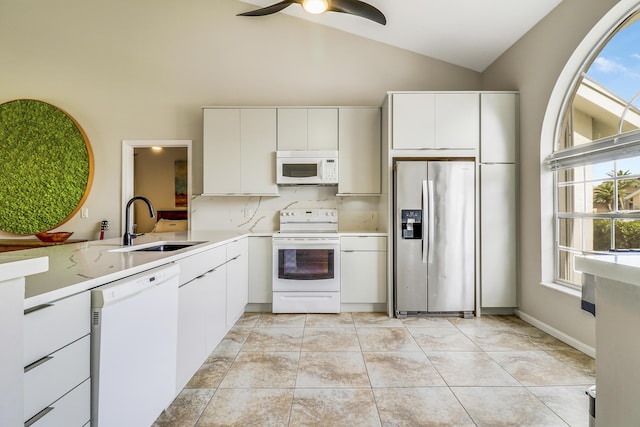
(161, 171)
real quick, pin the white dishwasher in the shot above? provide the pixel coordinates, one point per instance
(134, 333)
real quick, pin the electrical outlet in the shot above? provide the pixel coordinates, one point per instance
(84, 213)
(247, 212)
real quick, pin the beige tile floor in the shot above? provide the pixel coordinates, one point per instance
(366, 369)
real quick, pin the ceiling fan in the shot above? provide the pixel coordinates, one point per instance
(352, 7)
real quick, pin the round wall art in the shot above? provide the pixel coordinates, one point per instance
(46, 166)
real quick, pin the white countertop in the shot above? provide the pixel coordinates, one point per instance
(14, 266)
(76, 267)
(623, 267)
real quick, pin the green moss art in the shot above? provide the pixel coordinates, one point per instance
(46, 166)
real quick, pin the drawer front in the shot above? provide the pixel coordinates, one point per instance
(55, 376)
(195, 265)
(54, 326)
(363, 243)
(72, 409)
(237, 248)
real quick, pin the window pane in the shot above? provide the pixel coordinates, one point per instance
(566, 268)
(571, 198)
(597, 234)
(570, 233)
(571, 174)
(599, 170)
(631, 165)
(627, 234)
(602, 195)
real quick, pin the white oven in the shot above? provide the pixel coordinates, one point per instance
(306, 265)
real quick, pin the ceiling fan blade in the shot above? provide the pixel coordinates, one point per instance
(270, 9)
(359, 8)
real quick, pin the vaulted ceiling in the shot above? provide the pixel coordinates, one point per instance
(468, 33)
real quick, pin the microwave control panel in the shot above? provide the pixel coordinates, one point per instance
(330, 170)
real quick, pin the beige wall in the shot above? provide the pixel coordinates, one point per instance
(131, 70)
(532, 66)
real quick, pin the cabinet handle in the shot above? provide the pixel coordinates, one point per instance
(37, 363)
(38, 416)
(37, 307)
(348, 250)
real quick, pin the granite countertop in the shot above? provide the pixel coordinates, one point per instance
(623, 267)
(76, 267)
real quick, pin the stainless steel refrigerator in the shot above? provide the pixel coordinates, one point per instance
(434, 246)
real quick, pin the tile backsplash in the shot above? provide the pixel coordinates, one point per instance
(261, 213)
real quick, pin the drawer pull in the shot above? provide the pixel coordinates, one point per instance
(38, 416)
(37, 363)
(37, 307)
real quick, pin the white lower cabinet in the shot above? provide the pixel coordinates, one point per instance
(363, 263)
(215, 315)
(260, 269)
(72, 409)
(237, 279)
(201, 310)
(212, 296)
(48, 379)
(57, 362)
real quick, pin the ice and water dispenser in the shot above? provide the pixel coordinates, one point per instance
(411, 223)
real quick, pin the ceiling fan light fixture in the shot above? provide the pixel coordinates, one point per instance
(315, 7)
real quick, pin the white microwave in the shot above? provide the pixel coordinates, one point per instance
(307, 167)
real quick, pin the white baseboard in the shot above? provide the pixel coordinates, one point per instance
(579, 345)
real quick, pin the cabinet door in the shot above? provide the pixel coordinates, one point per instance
(292, 129)
(191, 335)
(359, 147)
(363, 277)
(322, 129)
(498, 235)
(221, 151)
(457, 120)
(258, 146)
(413, 121)
(260, 270)
(498, 127)
(215, 303)
(237, 280)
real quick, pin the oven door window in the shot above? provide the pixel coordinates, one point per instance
(305, 264)
(300, 170)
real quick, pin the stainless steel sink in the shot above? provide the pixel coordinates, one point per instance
(165, 246)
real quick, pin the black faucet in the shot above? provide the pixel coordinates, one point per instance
(128, 237)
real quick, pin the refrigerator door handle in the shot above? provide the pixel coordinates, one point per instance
(425, 206)
(431, 224)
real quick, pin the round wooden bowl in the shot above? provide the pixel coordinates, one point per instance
(55, 237)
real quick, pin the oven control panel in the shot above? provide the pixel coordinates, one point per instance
(308, 220)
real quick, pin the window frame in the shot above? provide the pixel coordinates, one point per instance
(559, 158)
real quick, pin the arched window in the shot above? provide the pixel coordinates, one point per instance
(596, 157)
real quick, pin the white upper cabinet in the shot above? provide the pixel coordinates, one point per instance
(498, 127)
(413, 121)
(359, 150)
(457, 121)
(307, 129)
(239, 151)
(435, 121)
